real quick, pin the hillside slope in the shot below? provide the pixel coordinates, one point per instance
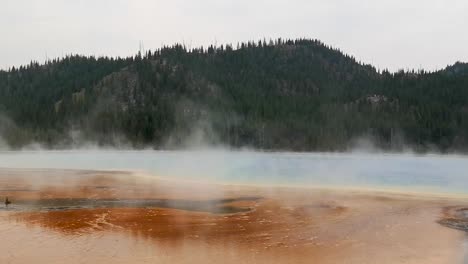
(281, 95)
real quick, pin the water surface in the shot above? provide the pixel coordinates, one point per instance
(433, 173)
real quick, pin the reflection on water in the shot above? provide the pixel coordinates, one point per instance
(217, 206)
(417, 173)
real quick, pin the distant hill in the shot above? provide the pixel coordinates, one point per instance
(279, 95)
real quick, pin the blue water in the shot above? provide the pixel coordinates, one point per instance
(446, 174)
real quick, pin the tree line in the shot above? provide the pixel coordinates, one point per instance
(278, 94)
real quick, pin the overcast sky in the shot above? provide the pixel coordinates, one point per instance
(390, 34)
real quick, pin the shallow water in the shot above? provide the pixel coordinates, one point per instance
(217, 206)
(433, 173)
(77, 216)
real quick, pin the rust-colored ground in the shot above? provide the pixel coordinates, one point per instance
(281, 225)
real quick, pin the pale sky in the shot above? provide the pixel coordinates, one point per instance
(392, 34)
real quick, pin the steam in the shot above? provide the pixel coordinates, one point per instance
(198, 154)
(78, 140)
(5, 123)
(192, 176)
(200, 137)
(406, 172)
(196, 128)
(3, 144)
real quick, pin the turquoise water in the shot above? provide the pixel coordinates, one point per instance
(434, 173)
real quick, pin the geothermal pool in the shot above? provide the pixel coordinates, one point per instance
(232, 207)
(407, 172)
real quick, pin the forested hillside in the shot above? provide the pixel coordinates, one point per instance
(276, 95)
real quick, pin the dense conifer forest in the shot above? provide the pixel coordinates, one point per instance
(299, 95)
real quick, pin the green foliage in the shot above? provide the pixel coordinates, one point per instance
(281, 95)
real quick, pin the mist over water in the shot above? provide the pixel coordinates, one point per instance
(406, 172)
